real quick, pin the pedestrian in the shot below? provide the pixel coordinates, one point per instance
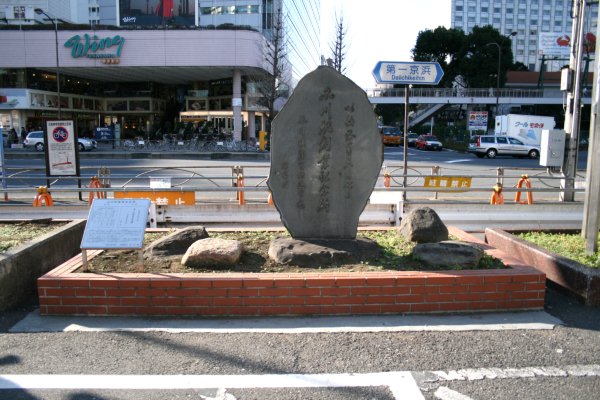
(23, 134)
(12, 136)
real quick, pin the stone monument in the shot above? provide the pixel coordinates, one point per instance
(326, 155)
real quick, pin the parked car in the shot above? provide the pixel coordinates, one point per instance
(492, 146)
(412, 139)
(391, 135)
(425, 142)
(35, 139)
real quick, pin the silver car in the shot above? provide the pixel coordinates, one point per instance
(492, 146)
(36, 139)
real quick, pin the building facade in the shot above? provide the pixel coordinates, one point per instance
(149, 66)
(542, 26)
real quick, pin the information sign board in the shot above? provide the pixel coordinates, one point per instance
(116, 224)
(61, 150)
(408, 73)
(161, 198)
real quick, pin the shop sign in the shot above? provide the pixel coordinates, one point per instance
(61, 153)
(95, 47)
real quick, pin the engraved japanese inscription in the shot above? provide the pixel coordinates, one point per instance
(326, 154)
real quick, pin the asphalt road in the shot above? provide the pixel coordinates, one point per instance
(503, 364)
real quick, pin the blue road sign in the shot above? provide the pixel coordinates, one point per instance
(408, 73)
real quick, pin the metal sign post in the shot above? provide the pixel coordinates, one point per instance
(2, 165)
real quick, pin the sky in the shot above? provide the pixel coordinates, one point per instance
(379, 30)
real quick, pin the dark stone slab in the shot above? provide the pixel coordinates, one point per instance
(581, 281)
(326, 154)
(423, 225)
(321, 252)
(448, 253)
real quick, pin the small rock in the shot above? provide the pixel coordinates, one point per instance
(423, 225)
(213, 252)
(176, 243)
(448, 253)
(321, 252)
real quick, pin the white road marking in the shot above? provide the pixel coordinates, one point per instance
(472, 374)
(401, 384)
(457, 161)
(444, 393)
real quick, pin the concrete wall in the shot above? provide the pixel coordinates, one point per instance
(21, 266)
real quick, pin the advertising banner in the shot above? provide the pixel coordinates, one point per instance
(104, 134)
(61, 154)
(478, 120)
(156, 12)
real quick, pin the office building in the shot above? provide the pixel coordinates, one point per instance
(542, 26)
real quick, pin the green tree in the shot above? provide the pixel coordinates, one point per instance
(479, 57)
(443, 46)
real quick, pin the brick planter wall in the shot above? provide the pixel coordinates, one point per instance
(62, 291)
(578, 279)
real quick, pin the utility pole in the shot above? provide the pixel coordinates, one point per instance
(573, 110)
(591, 206)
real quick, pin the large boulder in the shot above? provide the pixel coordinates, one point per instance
(448, 254)
(213, 252)
(316, 253)
(423, 225)
(176, 243)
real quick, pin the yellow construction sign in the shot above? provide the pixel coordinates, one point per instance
(161, 198)
(448, 182)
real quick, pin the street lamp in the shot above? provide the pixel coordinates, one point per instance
(499, 63)
(54, 20)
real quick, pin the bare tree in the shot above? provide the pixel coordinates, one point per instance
(338, 48)
(275, 84)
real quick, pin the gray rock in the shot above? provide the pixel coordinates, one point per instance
(423, 225)
(326, 154)
(176, 243)
(213, 252)
(315, 253)
(448, 253)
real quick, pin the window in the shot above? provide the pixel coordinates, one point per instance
(515, 141)
(484, 9)
(502, 140)
(459, 8)
(509, 10)
(487, 139)
(533, 22)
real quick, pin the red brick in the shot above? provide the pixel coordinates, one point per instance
(336, 309)
(227, 283)
(48, 282)
(424, 307)
(410, 298)
(196, 283)
(113, 301)
(358, 281)
(535, 286)
(60, 292)
(96, 310)
(245, 292)
(482, 288)
(439, 298)
(527, 278)
(89, 292)
(283, 310)
(82, 283)
(411, 280)
(305, 310)
(511, 287)
(468, 296)
(366, 309)
(197, 301)
(469, 280)
(396, 290)
(301, 291)
(497, 279)
(164, 283)
(523, 295)
(226, 301)
(274, 292)
(212, 292)
(290, 301)
(380, 299)
(54, 301)
(425, 290)
(166, 301)
(261, 301)
(366, 291)
(319, 300)
(177, 292)
(104, 283)
(440, 280)
(258, 283)
(350, 300)
(453, 289)
(395, 308)
(289, 282)
(335, 291)
(381, 281)
(152, 310)
(249, 311)
(61, 310)
(135, 301)
(74, 301)
(455, 306)
(320, 282)
(142, 292)
(118, 292)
